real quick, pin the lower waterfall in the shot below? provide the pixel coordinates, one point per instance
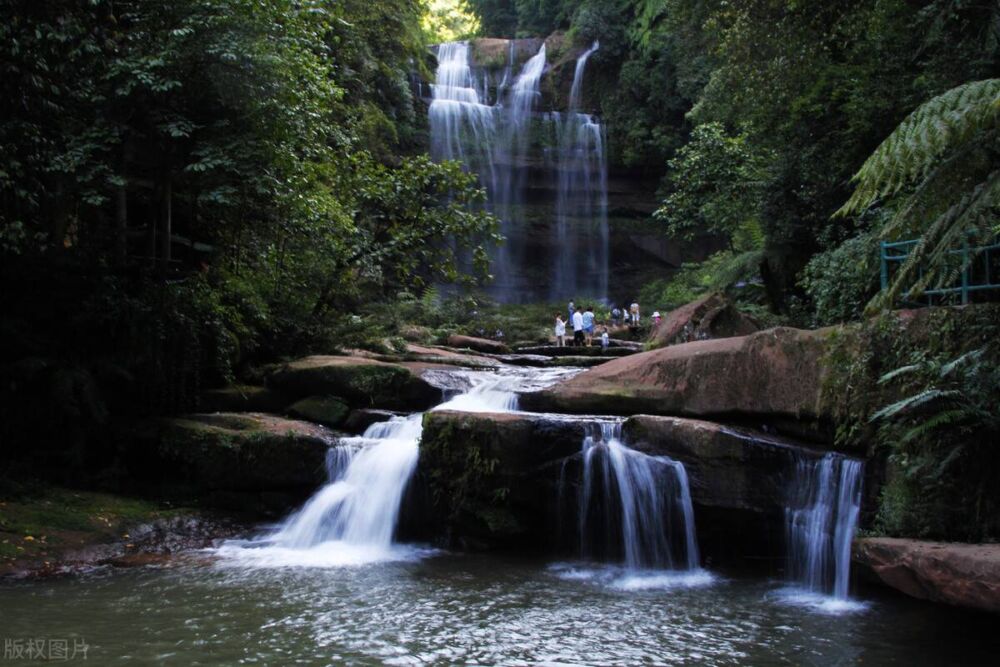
(632, 508)
(820, 522)
(352, 519)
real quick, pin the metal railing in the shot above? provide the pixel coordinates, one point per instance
(980, 268)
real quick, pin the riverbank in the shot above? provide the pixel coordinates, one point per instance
(48, 530)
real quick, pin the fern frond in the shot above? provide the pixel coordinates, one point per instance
(911, 402)
(934, 129)
(738, 267)
(939, 420)
(902, 370)
(955, 363)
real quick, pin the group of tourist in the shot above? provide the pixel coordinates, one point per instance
(583, 323)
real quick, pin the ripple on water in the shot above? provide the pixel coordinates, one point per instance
(817, 602)
(624, 579)
(325, 555)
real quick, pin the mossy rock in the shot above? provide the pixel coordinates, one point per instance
(326, 410)
(242, 398)
(362, 383)
(236, 452)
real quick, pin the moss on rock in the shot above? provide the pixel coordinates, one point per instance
(326, 410)
(360, 382)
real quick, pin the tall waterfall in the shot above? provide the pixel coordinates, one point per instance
(634, 507)
(820, 522)
(557, 239)
(581, 265)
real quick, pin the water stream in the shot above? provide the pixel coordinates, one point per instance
(820, 522)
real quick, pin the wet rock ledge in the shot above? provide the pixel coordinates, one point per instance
(964, 575)
(511, 480)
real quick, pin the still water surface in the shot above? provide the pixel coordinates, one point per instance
(447, 609)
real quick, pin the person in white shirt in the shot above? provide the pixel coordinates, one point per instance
(560, 331)
(578, 328)
(634, 313)
(605, 339)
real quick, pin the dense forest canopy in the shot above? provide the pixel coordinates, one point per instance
(804, 91)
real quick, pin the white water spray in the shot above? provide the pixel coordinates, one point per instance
(634, 505)
(820, 523)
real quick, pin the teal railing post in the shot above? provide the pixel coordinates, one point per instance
(884, 265)
(965, 271)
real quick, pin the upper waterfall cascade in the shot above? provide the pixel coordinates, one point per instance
(545, 173)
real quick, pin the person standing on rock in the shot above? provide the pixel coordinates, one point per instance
(616, 316)
(560, 331)
(572, 309)
(634, 313)
(605, 340)
(588, 325)
(577, 328)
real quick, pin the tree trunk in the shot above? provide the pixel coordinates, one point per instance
(165, 226)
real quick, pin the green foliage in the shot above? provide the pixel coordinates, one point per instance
(918, 391)
(447, 21)
(939, 169)
(841, 280)
(941, 438)
(720, 272)
(715, 185)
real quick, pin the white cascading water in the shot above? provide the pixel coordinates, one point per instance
(581, 266)
(634, 505)
(352, 519)
(494, 142)
(820, 523)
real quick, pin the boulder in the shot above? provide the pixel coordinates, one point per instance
(242, 398)
(774, 376)
(360, 419)
(357, 381)
(326, 410)
(512, 479)
(964, 575)
(239, 452)
(477, 344)
(711, 316)
(491, 478)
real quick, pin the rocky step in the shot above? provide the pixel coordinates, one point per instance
(964, 575)
(542, 361)
(358, 382)
(574, 351)
(521, 492)
(236, 460)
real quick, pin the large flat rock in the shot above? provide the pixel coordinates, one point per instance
(773, 375)
(360, 382)
(964, 575)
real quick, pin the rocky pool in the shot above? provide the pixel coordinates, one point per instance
(439, 608)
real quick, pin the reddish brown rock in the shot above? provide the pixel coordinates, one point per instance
(964, 575)
(711, 316)
(774, 375)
